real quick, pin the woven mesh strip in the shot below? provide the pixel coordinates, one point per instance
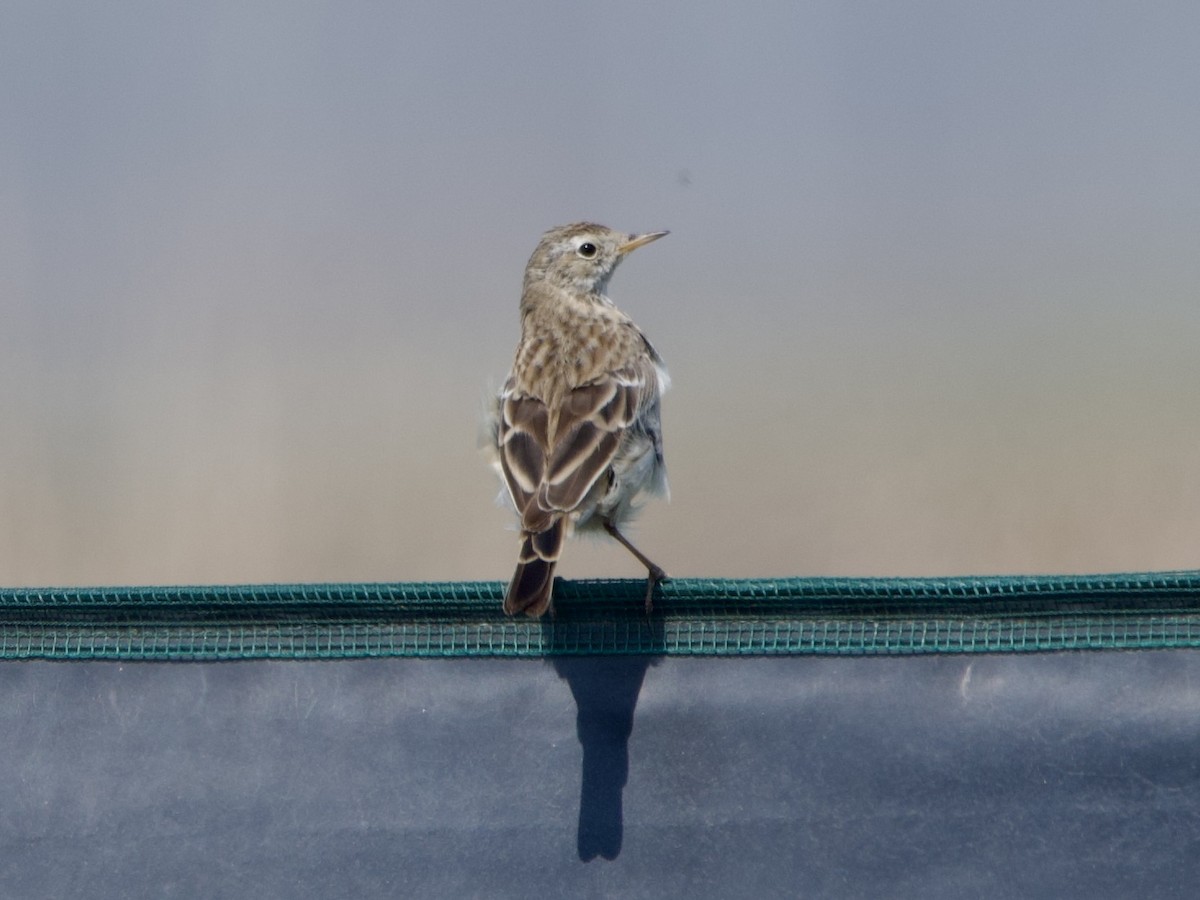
(691, 617)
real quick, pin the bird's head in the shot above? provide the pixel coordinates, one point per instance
(581, 257)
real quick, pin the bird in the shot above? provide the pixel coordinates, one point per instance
(576, 429)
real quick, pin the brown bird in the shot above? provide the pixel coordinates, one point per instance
(576, 426)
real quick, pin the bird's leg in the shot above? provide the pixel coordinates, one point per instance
(655, 573)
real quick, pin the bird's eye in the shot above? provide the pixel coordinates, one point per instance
(587, 250)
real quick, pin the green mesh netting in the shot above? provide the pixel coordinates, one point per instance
(699, 617)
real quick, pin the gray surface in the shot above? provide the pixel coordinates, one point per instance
(1037, 776)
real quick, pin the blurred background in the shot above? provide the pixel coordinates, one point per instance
(931, 298)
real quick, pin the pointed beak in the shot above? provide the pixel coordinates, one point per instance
(640, 241)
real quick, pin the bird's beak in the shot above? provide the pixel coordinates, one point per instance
(640, 241)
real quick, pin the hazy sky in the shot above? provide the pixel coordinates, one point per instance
(931, 298)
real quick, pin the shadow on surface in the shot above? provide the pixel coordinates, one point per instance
(1056, 776)
(606, 691)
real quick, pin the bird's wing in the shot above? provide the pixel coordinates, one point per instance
(551, 473)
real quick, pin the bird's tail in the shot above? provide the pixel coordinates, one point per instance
(532, 583)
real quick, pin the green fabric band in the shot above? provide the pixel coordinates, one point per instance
(691, 617)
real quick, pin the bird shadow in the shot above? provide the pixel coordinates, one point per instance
(606, 690)
(603, 652)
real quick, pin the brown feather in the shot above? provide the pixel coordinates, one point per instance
(530, 589)
(524, 461)
(569, 484)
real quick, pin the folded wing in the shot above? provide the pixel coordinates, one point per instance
(551, 460)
